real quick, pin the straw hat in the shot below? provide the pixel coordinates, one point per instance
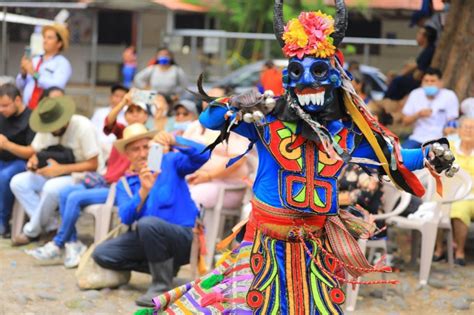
(62, 32)
(52, 114)
(133, 133)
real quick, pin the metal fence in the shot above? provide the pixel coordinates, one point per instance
(224, 37)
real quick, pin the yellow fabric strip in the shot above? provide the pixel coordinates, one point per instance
(368, 134)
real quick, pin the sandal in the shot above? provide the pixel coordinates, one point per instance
(437, 258)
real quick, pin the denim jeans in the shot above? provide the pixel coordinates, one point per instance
(39, 196)
(154, 240)
(8, 169)
(71, 200)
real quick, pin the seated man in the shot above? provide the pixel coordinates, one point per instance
(429, 109)
(73, 197)
(462, 212)
(15, 138)
(71, 139)
(160, 204)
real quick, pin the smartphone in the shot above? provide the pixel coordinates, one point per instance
(28, 52)
(144, 97)
(155, 156)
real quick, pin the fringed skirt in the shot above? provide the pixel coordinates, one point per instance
(285, 265)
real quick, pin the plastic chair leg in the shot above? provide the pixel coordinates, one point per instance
(428, 242)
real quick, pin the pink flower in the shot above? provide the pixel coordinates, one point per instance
(309, 35)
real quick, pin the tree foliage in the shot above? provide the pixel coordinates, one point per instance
(250, 16)
(455, 50)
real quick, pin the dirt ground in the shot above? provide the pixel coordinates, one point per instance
(27, 288)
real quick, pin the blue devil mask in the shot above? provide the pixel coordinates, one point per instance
(312, 81)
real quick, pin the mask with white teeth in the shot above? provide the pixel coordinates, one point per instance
(312, 82)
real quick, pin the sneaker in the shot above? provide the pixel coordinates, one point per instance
(74, 251)
(49, 253)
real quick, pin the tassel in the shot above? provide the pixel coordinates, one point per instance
(211, 298)
(202, 268)
(235, 231)
(226, 242)
(212, 281)
(144, 311)
(380, 265)
(223, 258)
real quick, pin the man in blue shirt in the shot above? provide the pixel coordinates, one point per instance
(161, 206)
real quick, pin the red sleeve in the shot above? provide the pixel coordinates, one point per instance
(116, 129)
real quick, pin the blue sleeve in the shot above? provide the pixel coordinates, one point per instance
(412, 158)
(190, 157)
(60, 76)
(21, 82)
(213, 118)
(127, 205)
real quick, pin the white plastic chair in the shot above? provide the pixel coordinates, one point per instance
(429, 183)
(214, 218)
(454, 189)
(390, 197)
(102, 215)
(425, 177)
(428, 228)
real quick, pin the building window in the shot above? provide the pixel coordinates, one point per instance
(115, 27)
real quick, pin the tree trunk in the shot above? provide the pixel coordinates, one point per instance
(455, 50)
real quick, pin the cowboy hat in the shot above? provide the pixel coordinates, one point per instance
(62, 32)
(52, 114)
(131, 134)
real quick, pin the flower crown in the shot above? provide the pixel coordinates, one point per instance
(309, 34)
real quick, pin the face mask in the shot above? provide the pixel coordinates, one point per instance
(181, 126)
(431, 90)
(163, 61)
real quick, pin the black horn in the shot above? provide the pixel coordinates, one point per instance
(202, 94)
(340, 22)
(278, 23)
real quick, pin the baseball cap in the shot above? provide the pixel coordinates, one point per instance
(189, 105)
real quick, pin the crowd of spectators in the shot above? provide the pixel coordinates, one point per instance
(54, 159)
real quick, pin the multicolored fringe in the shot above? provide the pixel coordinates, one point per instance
(288, 281)
(292, 272)
(223, 291)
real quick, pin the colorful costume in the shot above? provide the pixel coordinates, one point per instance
(297, 245)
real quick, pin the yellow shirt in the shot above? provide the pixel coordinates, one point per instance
(466, 162)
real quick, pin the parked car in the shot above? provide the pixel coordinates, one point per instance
(247, 77)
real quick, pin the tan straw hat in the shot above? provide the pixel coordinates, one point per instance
(133, 133)
(62, 32)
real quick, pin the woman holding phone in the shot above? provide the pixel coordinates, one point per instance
(45, 71)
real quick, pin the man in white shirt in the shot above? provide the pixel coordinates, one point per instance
(48, 70)
(429, 108)
(37, 190)
(117, 92)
